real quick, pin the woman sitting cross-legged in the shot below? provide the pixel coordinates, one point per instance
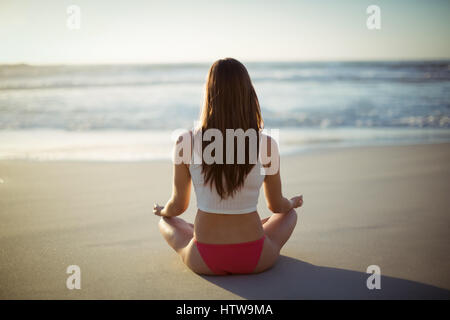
(228, 236)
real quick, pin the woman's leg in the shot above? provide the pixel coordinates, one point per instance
(277, 228)
(177, 232)
(180, 236)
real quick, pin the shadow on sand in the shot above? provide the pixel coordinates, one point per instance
(294, 279)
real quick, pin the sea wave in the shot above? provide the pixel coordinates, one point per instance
(148, 97)
(15, 77)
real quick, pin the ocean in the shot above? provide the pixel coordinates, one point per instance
(130, 112)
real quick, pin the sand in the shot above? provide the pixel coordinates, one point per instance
(387, 206)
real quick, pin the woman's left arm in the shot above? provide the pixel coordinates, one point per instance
(181, 193)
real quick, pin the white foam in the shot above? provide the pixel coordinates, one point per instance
(115, 145)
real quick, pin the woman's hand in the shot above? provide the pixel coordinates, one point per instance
(157, 209)
(297, 201)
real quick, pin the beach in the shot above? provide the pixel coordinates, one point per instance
(380, 205)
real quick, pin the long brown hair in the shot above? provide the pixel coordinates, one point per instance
(230, 103)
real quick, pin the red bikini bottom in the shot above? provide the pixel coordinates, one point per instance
(236, 258)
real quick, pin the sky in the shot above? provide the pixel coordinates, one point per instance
(145, 31)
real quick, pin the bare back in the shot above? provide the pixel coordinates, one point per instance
(226, 228)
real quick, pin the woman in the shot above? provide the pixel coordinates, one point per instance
(228, 236)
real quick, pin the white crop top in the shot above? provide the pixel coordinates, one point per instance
(244, 200)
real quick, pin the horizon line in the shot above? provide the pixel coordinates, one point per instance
(33, 64)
